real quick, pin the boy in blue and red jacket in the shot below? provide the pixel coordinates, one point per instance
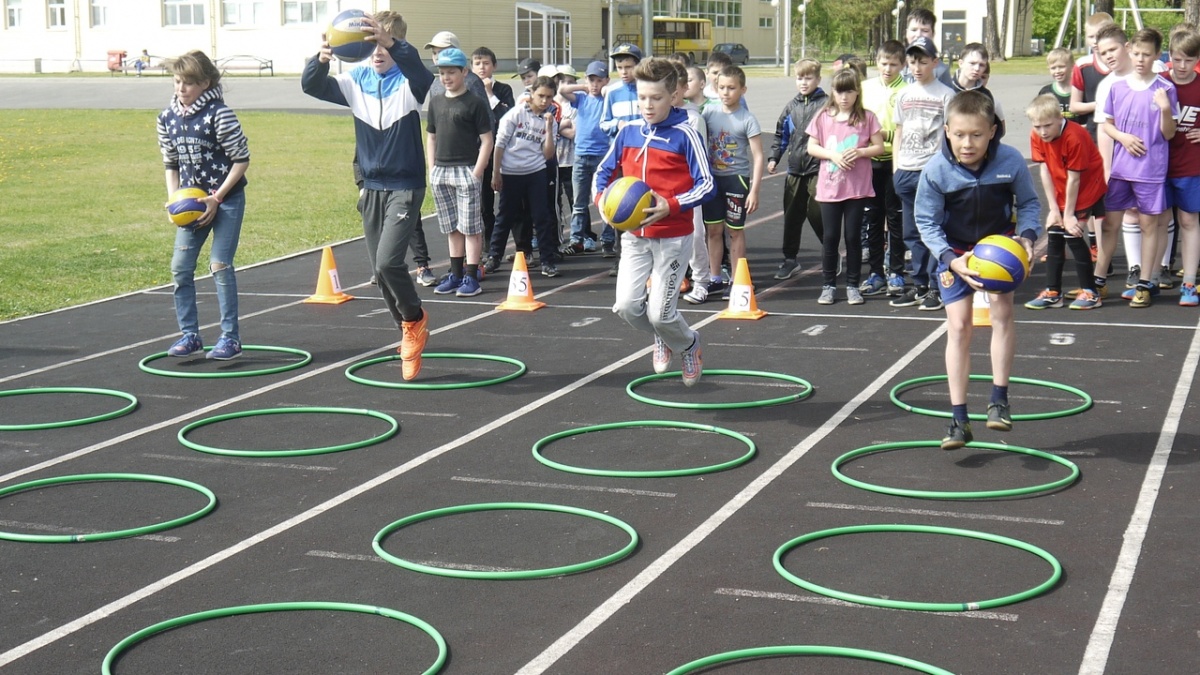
(966, 192)
(669, 155)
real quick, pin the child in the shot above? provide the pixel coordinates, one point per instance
(142, 62)
(841, 135)
(564, 150)
(921, 23)
(967, 192)
(591, 142)
(1183, 167)
(392, 161)
(459, 141)
(973, 74)
(694, 94)
(1139, 114)
(524, 147)
(883, 210)
(620, 108)
(735, 149)
(717, 61)
(791, 137)
(212, 156)
(1059, 63)
(694, 290)
(670, 156)
(1088, 72)
(500, 98)
(1073, 172)
(919, 121)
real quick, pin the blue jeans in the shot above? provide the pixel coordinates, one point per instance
(906, 189)
(225, 229)
(582, 176)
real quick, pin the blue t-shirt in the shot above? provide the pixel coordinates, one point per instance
(590, 139)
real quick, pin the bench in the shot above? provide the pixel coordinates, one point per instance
(157, 64)
(248, 63)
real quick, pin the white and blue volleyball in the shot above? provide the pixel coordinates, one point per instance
(625, 201)
(1001, 262)
(346, 37)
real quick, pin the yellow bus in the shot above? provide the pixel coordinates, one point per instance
(677, 34)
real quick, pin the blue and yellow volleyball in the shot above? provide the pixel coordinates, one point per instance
(184, 206)
(1001, 263)
(624, 203)
(346, 37)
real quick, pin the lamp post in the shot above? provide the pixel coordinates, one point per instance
(775, 4)
(896, 13)
(803, 30)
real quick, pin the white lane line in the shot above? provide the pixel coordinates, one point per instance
(563, 486)
(550, 336)
(218, 460)
(625, 595)
(820, 600)
(929, 512)
(1095, 657)
(58, 529)
(1052, 357)
(428, 563)
(819, 349)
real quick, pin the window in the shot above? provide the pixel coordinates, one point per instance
(183, 13)
(56, 13)
(723, 13)
(243, 12)
(766, 22)
(12, 13)
(99, 12)
(304, 11)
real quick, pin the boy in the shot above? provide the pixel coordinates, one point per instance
(921, 23)
(459, 141)
(735, 149)
(1058, 61)
(1183, 167)
(391, 159)
(919, 120)
(967, 192)
(799, 189)
(694, 290)
(972, 74)
(620, 108)
(500, 100)
(1073, 172)
(1088, 72)
(717, 61)
(879, 96)
(591, 142)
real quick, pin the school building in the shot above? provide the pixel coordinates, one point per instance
(276, 36)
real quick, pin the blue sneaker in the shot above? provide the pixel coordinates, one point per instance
(874, 285)
(895, 285)
(186, 346)
(227, 348)
(589, 245)
(450, 284)
(468, 288)
(1188, 296)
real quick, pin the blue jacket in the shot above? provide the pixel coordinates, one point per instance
(620, 105)
(791, 133)
(387, 115)
(956, 207)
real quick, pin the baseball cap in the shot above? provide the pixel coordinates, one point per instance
(924, 45)
(627, 49)
(443, 40)
(527, 65)
(547, 71)
(597, 68)
(567, 70)
(451, 56)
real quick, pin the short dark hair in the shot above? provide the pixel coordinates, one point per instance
(1112, 32)
(971, 102)
(485, 52)
(974, 48)
(922, 15)
(893, 48)
(681, 57)
(720, 59)
(1148, 36)
(734, 72)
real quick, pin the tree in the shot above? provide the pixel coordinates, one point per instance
(991, 30)
(1104, 6)
(1191, 12)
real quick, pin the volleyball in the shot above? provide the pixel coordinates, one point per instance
(624, 202)
(346, 37)
(185, 207)
(1001, 263)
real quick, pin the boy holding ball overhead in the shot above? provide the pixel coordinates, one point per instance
(661, 149)
(966, 192)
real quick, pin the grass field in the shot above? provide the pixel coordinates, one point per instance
(83, 195)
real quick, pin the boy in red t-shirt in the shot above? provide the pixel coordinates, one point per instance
(1183, 164)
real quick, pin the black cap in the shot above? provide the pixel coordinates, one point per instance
(527, 65)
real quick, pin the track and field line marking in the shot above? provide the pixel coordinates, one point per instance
(58, 529)
(820, 349)
(563, 486)
(218, 460)
(821, 600)
(625, 595)
(929, 512)
(428, 563)
(1095, 657)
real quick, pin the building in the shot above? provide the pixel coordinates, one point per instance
(78, 35)
(961, 22)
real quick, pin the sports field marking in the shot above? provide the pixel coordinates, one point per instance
(818, 600)
(1095, 657)
(42, 527)
(564, 486)
(930, 512)
(428, 563)
(798, 347)
(553, 336)
(195, 458)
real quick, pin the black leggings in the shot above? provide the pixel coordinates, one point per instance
(1057, 242)
(839, 217)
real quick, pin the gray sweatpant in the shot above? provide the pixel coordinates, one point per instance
(389, 218)
(663, 262)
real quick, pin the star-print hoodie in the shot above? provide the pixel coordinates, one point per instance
(202, 141)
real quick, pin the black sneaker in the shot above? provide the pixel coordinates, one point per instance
(549, 270)
(787, 268)
(491, 265)
(607, 250)
(999, 417)
(1135, 274)
(912, 296)
(718, 287)
(958, 434)
(932, 302)
(615, 268)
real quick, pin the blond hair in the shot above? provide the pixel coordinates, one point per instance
(1059, 55)
(1099, 20)
(392, 22)
(808, 67)
(1044, 107)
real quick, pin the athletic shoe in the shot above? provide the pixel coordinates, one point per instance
(998, 417)
(1188, 296)
(425, 276)
(374, 281)
(450, 284)
(549, 270)
(958, 434)
(725, 274)
(787, 268)
(414, 335)
(874, 285)
(1047, 299)
(1133, 277)
(186, 346)
(895, 285)
(227, 349)
(1132, 293)
(1164, 278)
(589, 245)
(826, 295)
(1141, 298)
(685, 285)
(1072, 294)
(491, 265)
(698, 294)
(662, 356)
(912, 297)
(608, 250)
(615, 268)
(932, 302)
(1102, 292)
(1086, 300)
(716, 287)
(571, 248)
(691, 363)
(469, 288)
(854, 296)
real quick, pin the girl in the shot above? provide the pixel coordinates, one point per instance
(840, 135)
(662, 150)
(203, 146)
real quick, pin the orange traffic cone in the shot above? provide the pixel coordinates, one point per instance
(981, 307)
(520, 292)
(329, 289)
(742, 304)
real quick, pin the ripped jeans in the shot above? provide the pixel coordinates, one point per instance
(225, 229)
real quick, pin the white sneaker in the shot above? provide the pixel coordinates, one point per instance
(697, 295)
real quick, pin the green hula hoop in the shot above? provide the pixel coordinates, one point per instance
(116, 534)
(133, 403)
(808, 650)
(1055, 575)
(145, 367)
(936, 494)
(803, 394)
(437, 386)
(394, 427)
(124, 645)
(910, 384)
(563, 570)
(661, 473)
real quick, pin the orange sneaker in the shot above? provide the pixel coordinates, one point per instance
(414, 336)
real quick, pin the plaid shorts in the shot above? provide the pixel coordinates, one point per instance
(456, 195)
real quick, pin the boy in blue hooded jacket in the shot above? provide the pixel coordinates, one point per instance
(966, 193)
